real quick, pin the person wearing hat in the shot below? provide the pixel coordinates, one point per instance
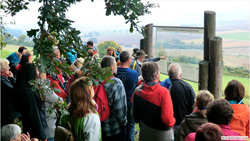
(134, 52)
(140, 59)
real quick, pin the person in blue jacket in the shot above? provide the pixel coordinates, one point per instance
(71, 55)
(16, 56)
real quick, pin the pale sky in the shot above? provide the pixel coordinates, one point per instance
(91, 15)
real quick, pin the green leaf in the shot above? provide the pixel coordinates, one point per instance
(56, 90)
(131, 29)
(32, 32)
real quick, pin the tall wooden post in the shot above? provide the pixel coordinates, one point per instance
(142, 44)
(216, 66)
(209, 31)
(148, 40)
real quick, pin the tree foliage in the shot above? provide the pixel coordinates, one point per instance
(185, 59)
(3, 33)
(55, 30)
(102, 47)
(236, 71)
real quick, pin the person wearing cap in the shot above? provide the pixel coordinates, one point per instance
(140, 59)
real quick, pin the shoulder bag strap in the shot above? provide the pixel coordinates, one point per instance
(134, 64)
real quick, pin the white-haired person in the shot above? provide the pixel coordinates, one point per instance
(7, 83)
(182, 95)
(12, 132)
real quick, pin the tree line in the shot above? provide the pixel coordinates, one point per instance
(22, 40)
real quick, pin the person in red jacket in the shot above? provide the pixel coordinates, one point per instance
(152, 106)
(57, 79)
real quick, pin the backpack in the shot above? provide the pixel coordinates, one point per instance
(102, 102)
(64, 134)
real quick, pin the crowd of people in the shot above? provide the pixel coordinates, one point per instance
(167, 110)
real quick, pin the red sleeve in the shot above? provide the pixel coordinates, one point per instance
(63, 95)
(60, 77)
(167, 112)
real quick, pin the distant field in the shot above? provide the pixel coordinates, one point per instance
(225, 80)
(9, 49)
(236, 36)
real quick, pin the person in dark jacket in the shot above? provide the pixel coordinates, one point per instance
(197, 118)
(7, 83)
(32, 105)
(182, 95)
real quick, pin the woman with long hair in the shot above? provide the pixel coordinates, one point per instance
(83, 118)
(30, 102)
(111, 52)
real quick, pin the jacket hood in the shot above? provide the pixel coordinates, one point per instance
(194, 120)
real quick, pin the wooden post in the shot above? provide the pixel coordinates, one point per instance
(216, 66)
(148, 40)
(203, 75)
(142, 44)
(209, 31)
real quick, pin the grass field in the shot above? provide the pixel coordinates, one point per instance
(9, 49)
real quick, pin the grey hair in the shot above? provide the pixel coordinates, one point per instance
(124, 56)
(10, 131)
(174, 70)
(4, 63)
(149, 70)
(107, 61)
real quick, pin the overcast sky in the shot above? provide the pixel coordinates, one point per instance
(91, 15)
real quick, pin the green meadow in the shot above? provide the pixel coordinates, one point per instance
(6, 51)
